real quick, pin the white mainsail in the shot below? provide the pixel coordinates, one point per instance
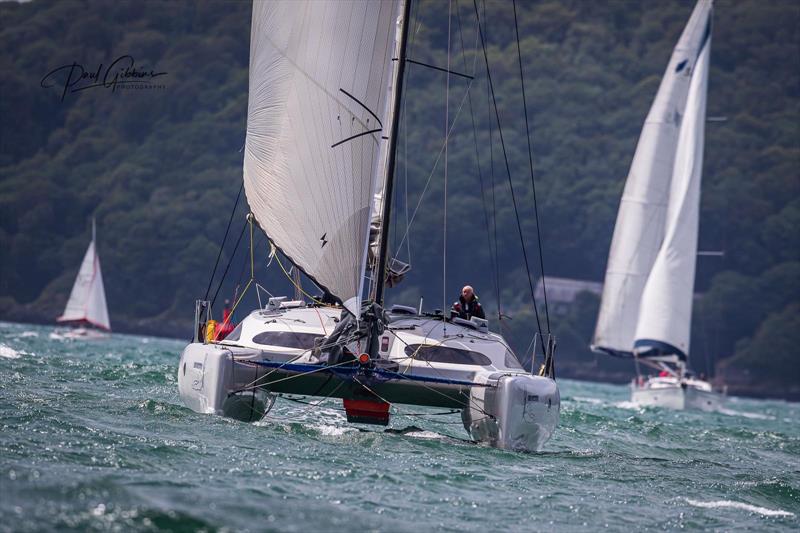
(318, 115)
(666, 308)
(87, 301)
(641, 221)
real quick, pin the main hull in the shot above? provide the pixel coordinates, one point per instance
(509, 411)
(677, 397)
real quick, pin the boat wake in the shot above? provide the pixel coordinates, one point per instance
(729, 504)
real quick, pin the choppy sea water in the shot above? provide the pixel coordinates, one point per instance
(93, 436)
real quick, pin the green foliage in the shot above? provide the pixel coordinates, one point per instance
(160, 169)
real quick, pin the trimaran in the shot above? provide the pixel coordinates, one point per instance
(646, 307)
(324, 99)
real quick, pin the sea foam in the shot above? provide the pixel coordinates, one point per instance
(10, 353)
(728, 504)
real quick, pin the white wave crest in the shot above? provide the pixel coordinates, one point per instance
(627, 404)
(332, 431)
(594, 401)
(745, 414)
(10, 353)
(728, 504)
(424, 434)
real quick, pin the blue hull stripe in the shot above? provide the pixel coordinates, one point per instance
(350, 372)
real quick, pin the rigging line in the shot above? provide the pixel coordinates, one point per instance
(508, 170)
(252, 248)
(433, 169)
(492, 257)
(470, 400)
(397, 409)
(491, 175)
(440, 69)
(295, 284)
(230, 261)
(446, 143)
(530, 162)
(233, 309)
(255, 384)
(414, 22)
(391, 159)
(253, 240)
(311, 404)
(300, 375)
(302, 400)
(224, 238)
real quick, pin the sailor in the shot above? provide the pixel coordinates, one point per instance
(467, 305)
(225, 327)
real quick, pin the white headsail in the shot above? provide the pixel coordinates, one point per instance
(666, 309)
(87, 301)
(641, 221)
(318, 115)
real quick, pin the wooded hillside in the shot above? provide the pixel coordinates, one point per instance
(160, 168)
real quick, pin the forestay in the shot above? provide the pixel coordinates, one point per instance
(641, 221)
(666, 315)
(318, 115)
(87, 301)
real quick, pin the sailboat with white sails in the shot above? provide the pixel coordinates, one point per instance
(86, 310)
(646, 307)
(324, 99)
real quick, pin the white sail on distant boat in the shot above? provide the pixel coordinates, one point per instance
(325, 86)
(646, 308)
(86, 308)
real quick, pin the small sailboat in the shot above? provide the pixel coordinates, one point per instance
(318, 173)
(86, 309)
(646, 307)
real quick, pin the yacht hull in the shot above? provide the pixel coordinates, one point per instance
(505, 410)
(678, 397)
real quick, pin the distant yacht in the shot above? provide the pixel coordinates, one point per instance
(86, 309)
(646, 308)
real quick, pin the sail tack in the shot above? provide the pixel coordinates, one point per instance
(651, 198)
(318, 119)
(87, 301)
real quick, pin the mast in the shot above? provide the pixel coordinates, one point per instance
(383, 255)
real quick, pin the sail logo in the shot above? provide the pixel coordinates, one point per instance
(122, 73)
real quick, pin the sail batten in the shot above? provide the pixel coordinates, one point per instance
(317, 116)
(642, 220)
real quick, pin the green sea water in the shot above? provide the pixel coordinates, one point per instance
(93, 437)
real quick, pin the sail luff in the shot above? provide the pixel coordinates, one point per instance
(641, 220)
(96, 308)
(386, 193)
(664, 323)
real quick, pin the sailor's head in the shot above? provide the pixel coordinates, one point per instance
(467, 293)
(227, 303)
